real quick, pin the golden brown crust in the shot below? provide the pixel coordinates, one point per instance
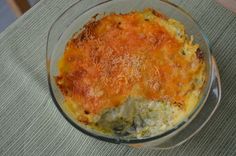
(123, 55)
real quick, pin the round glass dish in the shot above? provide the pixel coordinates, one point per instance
(80, 13)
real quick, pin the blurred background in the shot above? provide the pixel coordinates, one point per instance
(10, 10)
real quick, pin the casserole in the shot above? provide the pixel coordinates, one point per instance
(56, 46)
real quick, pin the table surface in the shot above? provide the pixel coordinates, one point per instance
(30, 124)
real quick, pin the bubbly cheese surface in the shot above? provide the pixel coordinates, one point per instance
(143, 56)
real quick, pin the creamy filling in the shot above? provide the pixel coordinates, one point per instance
(139, 118)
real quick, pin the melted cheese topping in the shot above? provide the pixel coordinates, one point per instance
(138, 55)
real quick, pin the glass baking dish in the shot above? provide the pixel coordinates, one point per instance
(81, 12)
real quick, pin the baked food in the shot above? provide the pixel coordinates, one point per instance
(134, 75)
